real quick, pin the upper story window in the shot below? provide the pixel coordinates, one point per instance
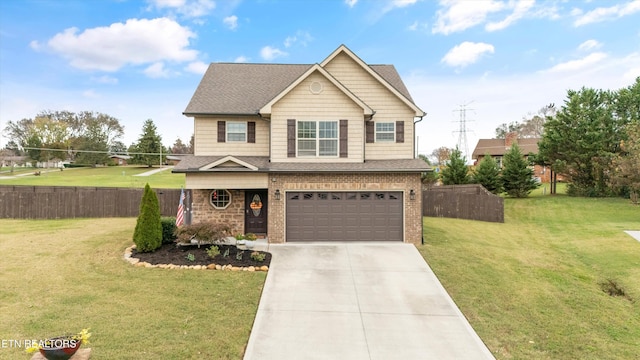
(317, 138)
(385, 131)
(236, 131)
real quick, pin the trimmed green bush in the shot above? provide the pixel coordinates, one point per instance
(168, 229)
(148, 232)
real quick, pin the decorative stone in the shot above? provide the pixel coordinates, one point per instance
(211, 266)
(134, 261)
(235, 268)
(251, 268)
(218, 267)
(264, 268)
(140, 264)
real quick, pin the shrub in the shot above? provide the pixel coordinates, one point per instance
(258, 256)
(213, 251)
(250, 236)
(148, 232)
(168, 229)
(204, 232)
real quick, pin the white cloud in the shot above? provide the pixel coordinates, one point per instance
(156, 70)
(520, 10)
(187, 8)
(417, 25)
(231, 22)
(105, 79)
(35, 45)
(351, 3)
(241, 59)
(458, 15)
(579, 64)
(589, 45)
(607, 13)
(134, 42)
(301, 37)
(467, 53)
(197, 67)
(269, 53)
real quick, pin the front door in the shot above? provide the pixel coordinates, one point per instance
(255, 205)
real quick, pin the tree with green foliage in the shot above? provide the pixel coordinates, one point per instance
(487, 174)
(148, 232)
(428, 177)
(584, 137)
(149, 144)
(626, 166)
(456, 172)
(517, 176)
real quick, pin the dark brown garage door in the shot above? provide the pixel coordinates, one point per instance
(344, 216)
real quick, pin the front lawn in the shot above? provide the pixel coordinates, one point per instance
(530, 287)
(60, 276)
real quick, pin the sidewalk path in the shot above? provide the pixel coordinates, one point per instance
(357, 301)
(154, 171)
(634, 234)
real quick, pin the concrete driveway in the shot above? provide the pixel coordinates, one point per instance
(357, 301)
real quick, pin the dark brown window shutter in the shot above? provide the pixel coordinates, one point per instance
(251, 132)
(370, 132)
(222, 125)
(291, 138)
(344, 139)
(399, 131)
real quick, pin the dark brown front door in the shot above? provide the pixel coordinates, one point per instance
(255, 211)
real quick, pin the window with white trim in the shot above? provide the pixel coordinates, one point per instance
(220, 198)
(236, 131)
(385, 131)
(317, 138)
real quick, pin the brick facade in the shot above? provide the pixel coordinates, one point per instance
(234, 214)
(346, 182)
(204, 211)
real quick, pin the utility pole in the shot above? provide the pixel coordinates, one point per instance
(463, 144)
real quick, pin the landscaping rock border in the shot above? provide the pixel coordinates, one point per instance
(136, 262)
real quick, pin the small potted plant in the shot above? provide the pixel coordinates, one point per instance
(61, 347)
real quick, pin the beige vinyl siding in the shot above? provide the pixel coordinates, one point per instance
(302, 105)
(387, 106)
(206, 138)
(227, 181)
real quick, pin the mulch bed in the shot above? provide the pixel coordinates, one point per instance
(177, 255)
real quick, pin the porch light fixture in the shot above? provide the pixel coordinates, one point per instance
(412, 194)
(277, 194)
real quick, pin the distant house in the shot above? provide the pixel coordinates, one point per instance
(498, 147)
(120, 159)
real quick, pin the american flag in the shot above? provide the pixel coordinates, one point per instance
(180, 215)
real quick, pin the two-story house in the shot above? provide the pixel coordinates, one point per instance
(306, 152)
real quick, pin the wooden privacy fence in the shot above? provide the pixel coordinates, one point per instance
(472, 202)
(61, 202)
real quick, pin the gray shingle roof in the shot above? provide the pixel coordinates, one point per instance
(238, 88)
(192, 163)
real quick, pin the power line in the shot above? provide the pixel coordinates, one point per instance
(87, 151)
(463, 144)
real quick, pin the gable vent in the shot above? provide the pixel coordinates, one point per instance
(315, 87)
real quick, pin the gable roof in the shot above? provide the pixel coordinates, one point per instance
(342, 49)
(229, 160)
(498, 147)
(317, 68)
(243, 89)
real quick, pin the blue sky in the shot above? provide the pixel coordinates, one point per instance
(138, 60)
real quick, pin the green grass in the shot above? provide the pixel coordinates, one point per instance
(110, 176)
(530, 287)
(59, 276)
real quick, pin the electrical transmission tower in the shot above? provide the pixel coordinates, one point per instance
(463, 144)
